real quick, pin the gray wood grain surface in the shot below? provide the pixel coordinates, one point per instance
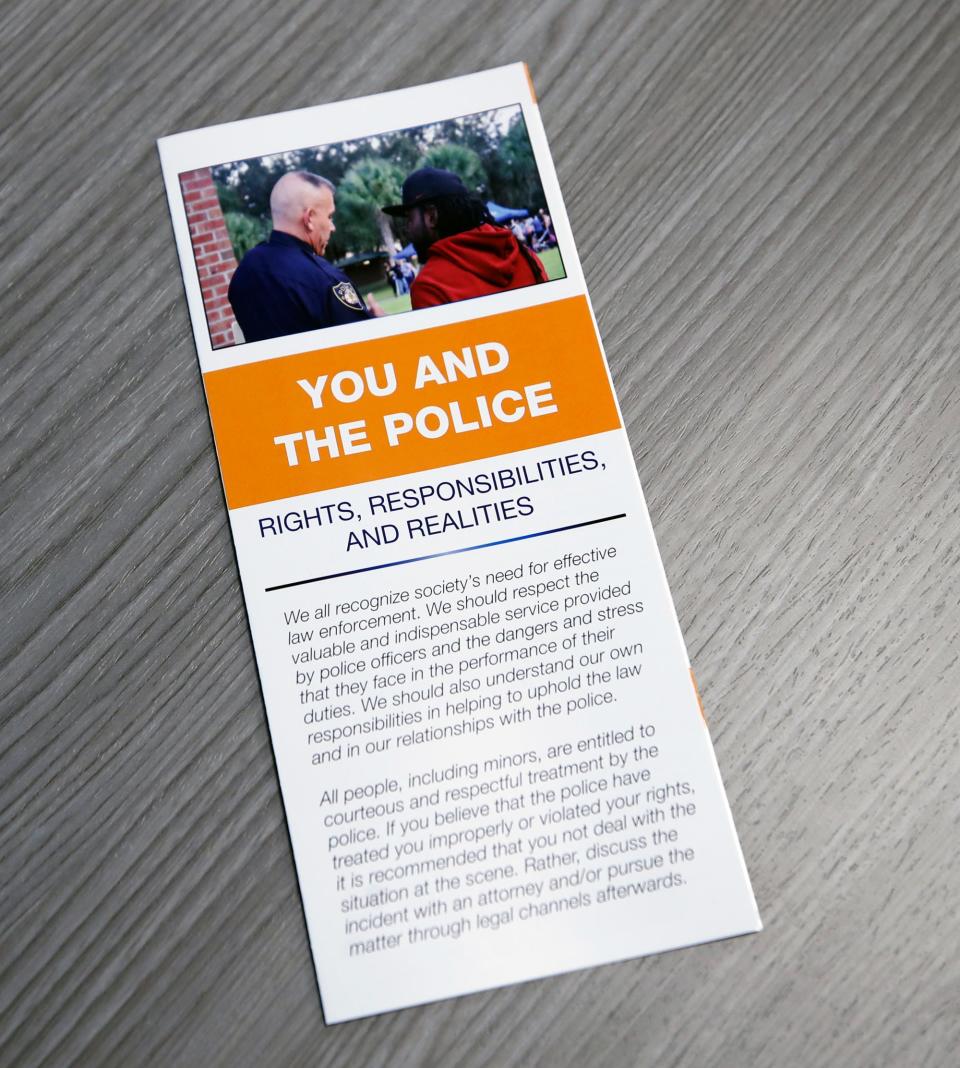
(766, 198)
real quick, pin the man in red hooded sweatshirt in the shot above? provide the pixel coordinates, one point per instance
(462, 253)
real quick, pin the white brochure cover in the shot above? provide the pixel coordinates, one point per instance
(493, 759)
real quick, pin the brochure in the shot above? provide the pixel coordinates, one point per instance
(493, 759)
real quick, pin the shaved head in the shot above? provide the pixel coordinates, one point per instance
(302, 204)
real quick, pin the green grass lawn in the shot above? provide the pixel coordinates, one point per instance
(550, 258)
(388, 300)
(392, 304)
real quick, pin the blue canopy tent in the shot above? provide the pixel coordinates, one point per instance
(500, 214)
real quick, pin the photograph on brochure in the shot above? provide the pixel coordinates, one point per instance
(314, 237)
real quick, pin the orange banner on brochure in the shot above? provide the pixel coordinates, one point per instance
(412, 402)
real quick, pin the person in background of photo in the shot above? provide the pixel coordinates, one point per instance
(462, 254)
(409, 272)
(397, 278)
(547, 238)
(284, 285)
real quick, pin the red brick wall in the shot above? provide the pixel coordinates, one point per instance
(212, 251)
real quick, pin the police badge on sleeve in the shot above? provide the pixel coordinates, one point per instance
(346, 294)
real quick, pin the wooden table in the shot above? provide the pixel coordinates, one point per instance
(766, 198)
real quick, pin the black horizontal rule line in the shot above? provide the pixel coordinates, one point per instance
(448, 552)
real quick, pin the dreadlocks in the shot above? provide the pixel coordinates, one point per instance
(458, 213)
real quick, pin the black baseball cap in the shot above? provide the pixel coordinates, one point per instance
(425, 185)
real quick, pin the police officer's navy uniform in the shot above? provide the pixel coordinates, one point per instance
(283, 287)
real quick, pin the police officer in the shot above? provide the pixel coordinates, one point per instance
(284, 285)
